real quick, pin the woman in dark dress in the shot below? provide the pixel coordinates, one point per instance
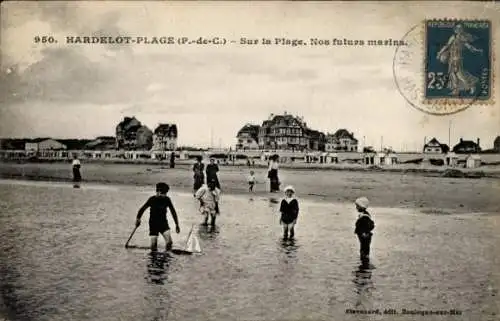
(172, 160)
(199, 176)
(77, 177)
(272, 174)
(212, 170)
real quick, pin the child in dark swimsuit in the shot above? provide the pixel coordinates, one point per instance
(364, 227)
(289, 209)
(158, 223)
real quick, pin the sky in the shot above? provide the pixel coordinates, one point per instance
(83, 91)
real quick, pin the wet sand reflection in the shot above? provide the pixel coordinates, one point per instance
(158, 265)
(363, 283)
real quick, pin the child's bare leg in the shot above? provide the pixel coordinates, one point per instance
(168, 240)
(154, 243)
(292, 231)
(205, 222)
(285, 231)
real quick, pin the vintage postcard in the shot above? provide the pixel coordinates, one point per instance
(240, 160)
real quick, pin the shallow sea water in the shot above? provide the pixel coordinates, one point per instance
(63, 258)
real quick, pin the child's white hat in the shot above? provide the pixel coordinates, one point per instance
(290, 188)
(362, 202)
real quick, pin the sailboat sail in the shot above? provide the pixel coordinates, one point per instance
(196, 245)
(193, 244)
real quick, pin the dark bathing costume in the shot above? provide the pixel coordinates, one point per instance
(289, 211)
(158, 214)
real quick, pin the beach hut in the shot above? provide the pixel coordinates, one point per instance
(369, 158)
(390, 159)
(379, 159)
(451, 159)
(332, 158)
(313, 157)
(473, 161)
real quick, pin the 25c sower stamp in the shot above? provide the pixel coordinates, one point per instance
(446, 65)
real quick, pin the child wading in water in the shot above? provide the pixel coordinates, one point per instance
(364, 227)
(289, 209)
(209, 196)
(158, 223)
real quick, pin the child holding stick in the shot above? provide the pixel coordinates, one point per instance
(158, 223)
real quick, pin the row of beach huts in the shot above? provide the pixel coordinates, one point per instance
(251, 157)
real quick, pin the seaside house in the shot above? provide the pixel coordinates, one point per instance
(341, 140)
(248, 137)
(43, 144)
(317, 140)
(132, 135)
(496, 144)
(435, 147)
(165, 137)
(466, 147)
(284, 132)
(473, 161)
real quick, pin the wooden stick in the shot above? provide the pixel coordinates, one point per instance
(132, 234)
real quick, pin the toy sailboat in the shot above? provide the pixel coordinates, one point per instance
(192, 245)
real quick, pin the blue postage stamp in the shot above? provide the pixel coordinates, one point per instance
(458, 61)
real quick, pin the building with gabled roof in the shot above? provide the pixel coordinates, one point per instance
(248, 137)
(435, 147)
(467, 147)
(284, 132)
(165, 137)
(39, 144)
(341, 140)
(132, 135)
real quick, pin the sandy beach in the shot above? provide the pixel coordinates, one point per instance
(429, 193)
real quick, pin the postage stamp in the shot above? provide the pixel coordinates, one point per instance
(458, 60)
(446, 65)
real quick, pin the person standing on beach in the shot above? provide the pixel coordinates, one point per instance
(199, 176)
(172, 160)
(251, 181)
(289, 210)
(272, 174)
(209, 197)
(364, 227)
(77, 177)
(158, 223)
(212, 170)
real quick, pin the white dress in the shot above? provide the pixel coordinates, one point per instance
(209, 199)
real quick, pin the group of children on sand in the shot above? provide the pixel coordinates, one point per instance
(208, 196)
